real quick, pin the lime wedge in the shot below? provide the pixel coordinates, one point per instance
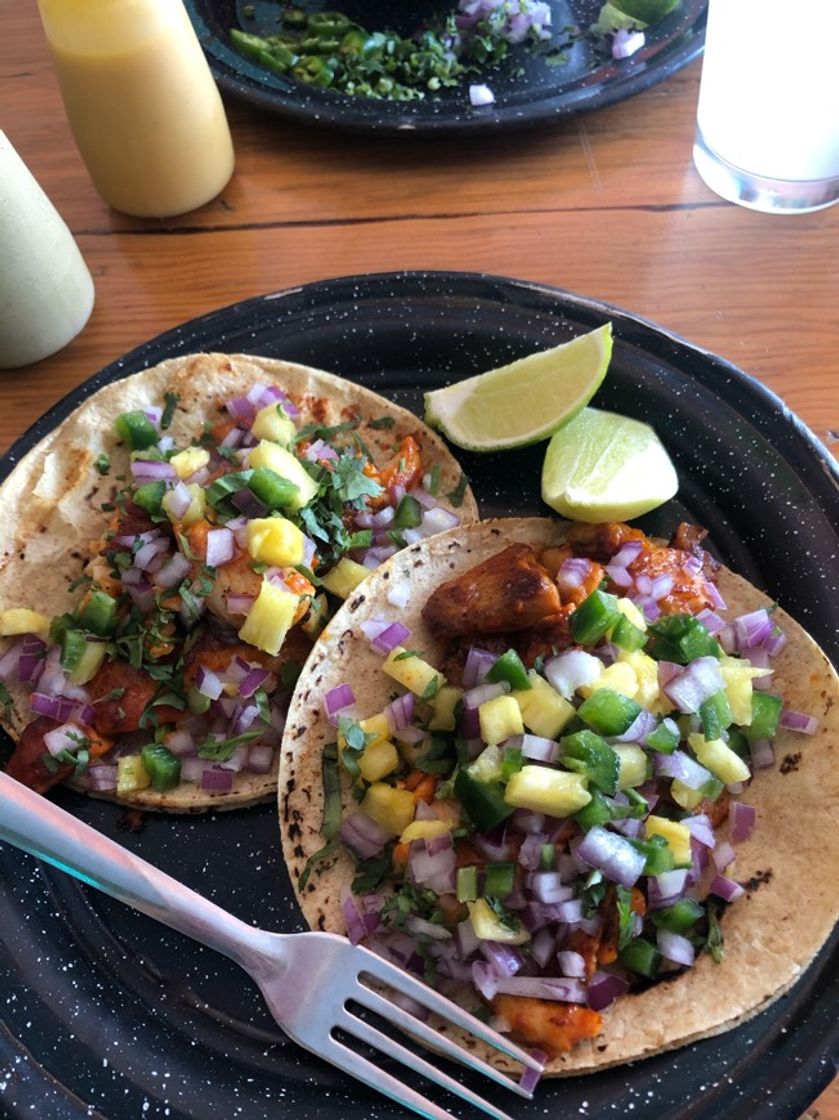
(605, 467)
(525, 401)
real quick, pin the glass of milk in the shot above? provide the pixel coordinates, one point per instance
(767, 133)
(46, 293)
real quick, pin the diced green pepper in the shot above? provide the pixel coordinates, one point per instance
(137, 430)
(588, 754)
(98, 614)
(197, 702)
(663, 739)
(483, 802)
(679, 917)
(163, 767)
(276, 492)
(681, 638)
(715, 714)
(509, 668)
(712, 789)
(149, 496)
(547, 857)
(73, 645)
(641, 956)
(467, 884)
(511, 762)
(500, 879)
(608, 712)
(766, 711)
(738, 742)
(409, 513)
(594, 616)
(627, 636)
(597, 812)
(658, 852)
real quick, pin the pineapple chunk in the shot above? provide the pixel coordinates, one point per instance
(20, 620)
(392, 809)
(189, 461)
(500, 718)
(270, 618)
(284, 464)
(633, 613)
(543, 710)
(633, 771)
(275, 540)
(316, 619)
(646, 674)
(345, 577)
(424, 830)
(685, 796)
(555, 792)
(89, 663)
(716, 756)
(677, 836)
(131, 774)
(195, 509)
(273, 423)
(487, 766)
(378, 760)
(738, 676)
(414, 674)
(619, 677)
(488, 926)
(444, 704)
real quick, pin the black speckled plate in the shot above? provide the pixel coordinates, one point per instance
(104, 1013)
(528, 91)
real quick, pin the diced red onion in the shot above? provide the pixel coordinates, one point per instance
(695, 684)
(572, 574)
(505, 960)
(208, 683)
(152, 470)
(494, 845)
(237, 760)
(239, 604)
(102, 777)
(613, 855)
(481, 94)
(361, 918)
(485, 979)
(726, 889)
(539, 749)
(547, 887)
(629, 552)
(180, 742)
(10, 662)
(643, 584)
(394, 635)
(662, 585)
(410, 735)
(221, 547)
(572, 964)
(400, 711)
(65, 737)
(467, 939)
(763, 754)
(362, 834)
(474, 697)
(752, 629)
(620, 577)
(399, 593)
(54, 707)
(542, 946)
(604, 988)
(649, 607)
(642, 726)
(775, 643)
(711, 621)
(32, 656)
(673, 947)
(436, 871)
(192, 769)
(530, 852)
(255, 679)
(682, 767)
(544, 987)
(714, 597)
(176, 569)
(425, 928)
(244, 719)
(723, 855)
(572, 670)
(320, 450)
(798, 721)
(665, 889)
(336, 700)
(700, 827)
(592, 926)
(478, 664)
(742, 819)
(147, 554)
(426, 500)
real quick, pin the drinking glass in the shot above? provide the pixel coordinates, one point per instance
(767, 134)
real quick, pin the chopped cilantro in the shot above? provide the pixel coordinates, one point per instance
(432, 688)
(406, 653)
(319, 431)
(81, 581)
(434, 480)
(353, 734)
(506, 919)
(350, 482)
(331, 792)
(6, 701)
(221, 750)
(625, 923)
(102, 462)
(714, 943)
(289, 674)
(370, 872)
(169, 410)
(382, 422)
(331, 847)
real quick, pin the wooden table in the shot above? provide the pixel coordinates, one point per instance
(607, 205)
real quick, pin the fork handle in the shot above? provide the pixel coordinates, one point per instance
(31, 822)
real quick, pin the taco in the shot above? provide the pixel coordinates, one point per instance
(585, 782)
(169, 554)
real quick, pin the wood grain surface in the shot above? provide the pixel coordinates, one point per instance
(606, 205)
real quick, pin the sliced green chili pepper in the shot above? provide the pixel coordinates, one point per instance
(164, 768)
(608, 712)
(594, 616)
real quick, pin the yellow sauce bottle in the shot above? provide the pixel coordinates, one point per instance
(141, 101)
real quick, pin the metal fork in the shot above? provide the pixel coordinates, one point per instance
(307, 979)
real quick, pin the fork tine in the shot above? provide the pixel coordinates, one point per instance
(378, 1003)
(364, 1070)
(378, 1039)
(404, 982)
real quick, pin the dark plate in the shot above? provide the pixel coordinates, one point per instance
(105, 1013)
(539, 95)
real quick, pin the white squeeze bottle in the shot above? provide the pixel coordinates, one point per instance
(141, 101)
(46, 293)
